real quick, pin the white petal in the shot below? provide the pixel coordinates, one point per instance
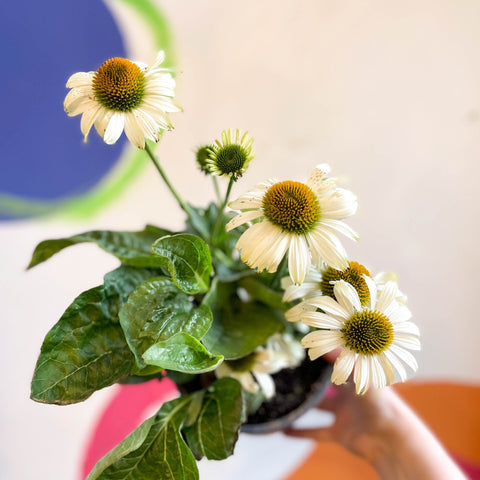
(326, 187)
(347, 297)
(384, 277)
(294, 292)
(372, 290)
(361, 375)
(379, 379)
(407, 340)
(77, 100)
(242, 218)
(339, 204)
(407, 327)
(114, 128)
(274, 254)
(160, 102)
(321, 320)
(80, 79)
(298, 259)
(397, 364)
(318, 174)
(150, 127)
(246, 381)
(244, 203)
(329, 305)
(158, 60)
(321, 342)
(326, 246)
(266, 384)
(251, 199)
(343, 366)
(404, 355)
(244, 378)
(386, 298)
(387, 368)
(296, 313)
(401, 314)
(157, 115)
(88, 118)
(263, 245)
(341, 227)
(102, 122)
(133, 131)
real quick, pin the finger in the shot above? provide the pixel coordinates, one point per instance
(318, 434)
(330, 404)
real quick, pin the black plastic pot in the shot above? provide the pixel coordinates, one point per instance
(297, 390)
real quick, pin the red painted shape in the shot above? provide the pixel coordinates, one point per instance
(124, 413)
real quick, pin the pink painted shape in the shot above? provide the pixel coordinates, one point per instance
(471, 470)
(123, 414)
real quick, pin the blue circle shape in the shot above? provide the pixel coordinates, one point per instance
(43, 156)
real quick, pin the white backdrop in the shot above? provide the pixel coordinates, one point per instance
(386, 92)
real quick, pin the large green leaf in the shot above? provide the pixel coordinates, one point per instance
(154, 451)
(155, 311)
(132, 248)
(216, 428)
(182, 353)
(238, 327)
(261, 292)
(86, 350)
(187, 259)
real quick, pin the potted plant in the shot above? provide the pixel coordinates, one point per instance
(226, 308)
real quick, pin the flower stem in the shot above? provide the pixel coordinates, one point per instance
(217, 190)
(218, 221)
(155, 161)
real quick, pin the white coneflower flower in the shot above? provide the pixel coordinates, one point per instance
(320, 282)
(123, 95)
(301, 218)
(254, 371)
(231, 156)
(375, 338)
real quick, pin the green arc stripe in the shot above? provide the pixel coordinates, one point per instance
(110, 188)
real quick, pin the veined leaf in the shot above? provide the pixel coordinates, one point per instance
(86, 350)
(155, 311)
(131, 248)
(154, 451)
(187, 259)
(216, 428)
(182, 353)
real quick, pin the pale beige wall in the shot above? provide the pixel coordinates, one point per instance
(388, 93)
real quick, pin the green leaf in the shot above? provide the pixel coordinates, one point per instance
(238, 327)
(155, 311)
(86, 350)
(182, 353)
(187, 259)
(132, 248)
(198, 221)
(154, 451)
(215, 431)
(261, 292)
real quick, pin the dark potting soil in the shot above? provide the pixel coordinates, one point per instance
(292, 387)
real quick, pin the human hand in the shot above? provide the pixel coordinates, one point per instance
(382, 429)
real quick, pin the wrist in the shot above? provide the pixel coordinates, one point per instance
(405, 449)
